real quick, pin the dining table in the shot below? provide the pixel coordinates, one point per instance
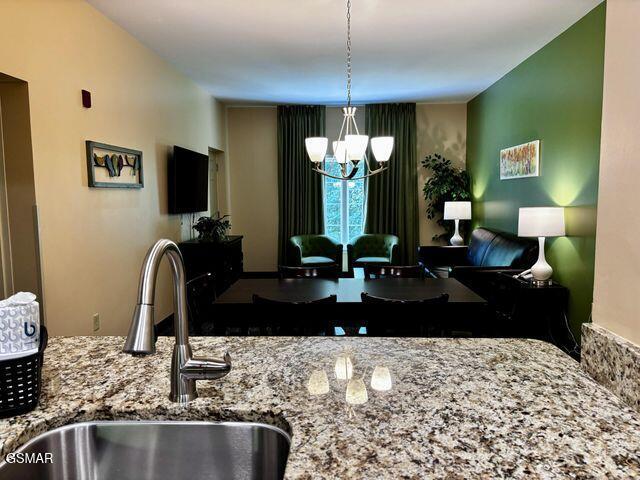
(348, 290)
(465, 309)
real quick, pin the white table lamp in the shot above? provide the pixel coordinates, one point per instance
(457, 211)
(541, 222)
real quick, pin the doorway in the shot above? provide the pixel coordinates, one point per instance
(6, 270)
(19, 244)
(215, 162)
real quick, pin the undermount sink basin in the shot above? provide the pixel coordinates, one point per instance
(155, 451)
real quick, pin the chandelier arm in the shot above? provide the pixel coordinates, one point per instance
(354, 171)
(343, 168)
(335, 177)
(325, 173)
(365, 157)
(355, 125)
(344, 122)
(370, 174)
(353, 120)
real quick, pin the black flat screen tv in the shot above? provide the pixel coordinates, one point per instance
(188, 178)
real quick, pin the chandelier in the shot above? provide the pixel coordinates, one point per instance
(350, 149)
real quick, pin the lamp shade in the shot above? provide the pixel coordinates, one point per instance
(340, 151)
(316, 148)
(382, 148)
(457, 210)
(541, 222)
(356, 146)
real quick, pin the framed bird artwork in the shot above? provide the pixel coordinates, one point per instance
(109, 166)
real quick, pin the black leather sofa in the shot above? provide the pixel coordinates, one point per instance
(488, 251)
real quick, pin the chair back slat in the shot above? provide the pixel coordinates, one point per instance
(289, 325)
(201, 294)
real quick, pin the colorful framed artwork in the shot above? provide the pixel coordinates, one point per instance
(109, 166)
(521, 161)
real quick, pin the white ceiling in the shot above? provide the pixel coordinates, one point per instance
(293, 50)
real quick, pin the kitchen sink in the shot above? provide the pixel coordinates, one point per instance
(137, 450)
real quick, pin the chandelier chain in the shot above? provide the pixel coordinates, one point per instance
(348, 53)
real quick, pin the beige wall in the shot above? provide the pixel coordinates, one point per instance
(253, 177)
(441, 128)
(617, 270)
(93, 240)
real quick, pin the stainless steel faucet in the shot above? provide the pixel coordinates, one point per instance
(185, 369)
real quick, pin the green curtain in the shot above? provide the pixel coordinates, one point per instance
(299, 188)
(392, 196)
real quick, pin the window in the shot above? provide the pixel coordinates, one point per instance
(343, 205)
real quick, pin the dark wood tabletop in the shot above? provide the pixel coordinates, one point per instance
(348, 290)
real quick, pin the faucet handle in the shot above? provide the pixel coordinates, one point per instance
(207, 369)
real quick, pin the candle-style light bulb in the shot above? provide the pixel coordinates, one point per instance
(381, 379)
(356, 392)
(318, 383)
(344, 368)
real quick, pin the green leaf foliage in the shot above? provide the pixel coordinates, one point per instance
(447, 183)
(212, 229)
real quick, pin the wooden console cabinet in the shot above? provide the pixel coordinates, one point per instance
(223, 260)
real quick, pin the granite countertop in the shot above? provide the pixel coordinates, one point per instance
(459, 408)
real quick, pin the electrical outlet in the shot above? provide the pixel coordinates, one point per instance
(96, 322)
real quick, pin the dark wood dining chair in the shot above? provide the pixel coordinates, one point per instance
(421, 317)
(330, 272)
(393, 271)
(280, 318)
(201, 294)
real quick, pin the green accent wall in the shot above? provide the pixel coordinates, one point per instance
(554, 96)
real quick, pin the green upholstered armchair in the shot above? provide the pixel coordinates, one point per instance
(373, 249)
(314, 250)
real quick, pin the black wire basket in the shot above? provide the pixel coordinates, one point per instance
(20, 381)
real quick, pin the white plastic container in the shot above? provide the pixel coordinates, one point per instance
(19, 326)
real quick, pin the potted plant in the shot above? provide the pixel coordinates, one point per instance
(447, 183)
(212, 229)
